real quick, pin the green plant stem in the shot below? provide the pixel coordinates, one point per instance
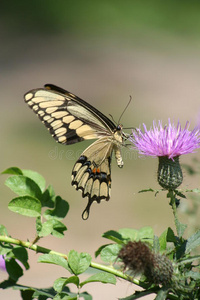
(174, 209)
(109, 269)
(43, 250)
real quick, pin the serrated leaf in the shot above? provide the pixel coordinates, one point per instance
(54, 259)
(102, 277)
(13, 171)
(193, 242)
(61, 282)
(60, 210)
(26, 206)
(113, 236)
(36, 177)
(110, 253)
(22, 185)
(79, 262)
(13, 268)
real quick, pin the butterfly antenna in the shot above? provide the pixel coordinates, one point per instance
(113, 119)
(125, 109)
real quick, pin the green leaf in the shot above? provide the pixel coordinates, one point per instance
(113, 236)
(180, 228)
(188, 260)
(66, 296)
(110, 253)
(156, 244)
(145, 233)
(193, 275)
(36, 177)
(97, 253)
(58, 228)
(128, 234)
(171, 238)
(60, 210)
(13, 171)
(178, 193)
(26, 206)
(162, 294)
(3, 230)
(147, 190)
(193, 242)
(22, 185)
(61, 282)
(13, 268)
(21, 254)
(102, 277)
(28, 293)
(54, 259)
(79, 262)
(48, 197)
(54, 227)
(163, 240)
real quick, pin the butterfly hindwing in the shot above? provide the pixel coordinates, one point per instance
(70, 119)
(92, 173)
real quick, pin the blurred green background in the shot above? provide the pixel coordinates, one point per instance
(103, 51)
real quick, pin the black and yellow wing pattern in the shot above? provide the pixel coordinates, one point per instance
(70, 119)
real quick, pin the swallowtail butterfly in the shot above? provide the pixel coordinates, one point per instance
(70, 119)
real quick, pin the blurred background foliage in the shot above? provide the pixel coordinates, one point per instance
(114, 17)
(103, 51)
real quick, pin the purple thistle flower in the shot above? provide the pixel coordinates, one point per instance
(167, 143)
(170, 141)
(2, 263)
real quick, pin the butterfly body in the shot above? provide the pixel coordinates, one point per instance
(70, 120)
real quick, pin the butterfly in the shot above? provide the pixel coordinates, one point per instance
(70, 119)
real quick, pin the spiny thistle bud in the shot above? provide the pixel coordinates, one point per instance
(138, 258)
(169, 173)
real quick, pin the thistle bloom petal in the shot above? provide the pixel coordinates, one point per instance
(167, 143)
(170, 141)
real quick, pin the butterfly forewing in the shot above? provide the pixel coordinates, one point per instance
(70, 120)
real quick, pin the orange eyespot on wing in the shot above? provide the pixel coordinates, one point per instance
(94, 182)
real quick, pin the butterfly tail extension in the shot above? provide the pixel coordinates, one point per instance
(93, 181)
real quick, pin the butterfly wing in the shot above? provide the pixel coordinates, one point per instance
(68, 118)
(92, 173)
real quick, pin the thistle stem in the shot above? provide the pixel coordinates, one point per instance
(180, 228)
